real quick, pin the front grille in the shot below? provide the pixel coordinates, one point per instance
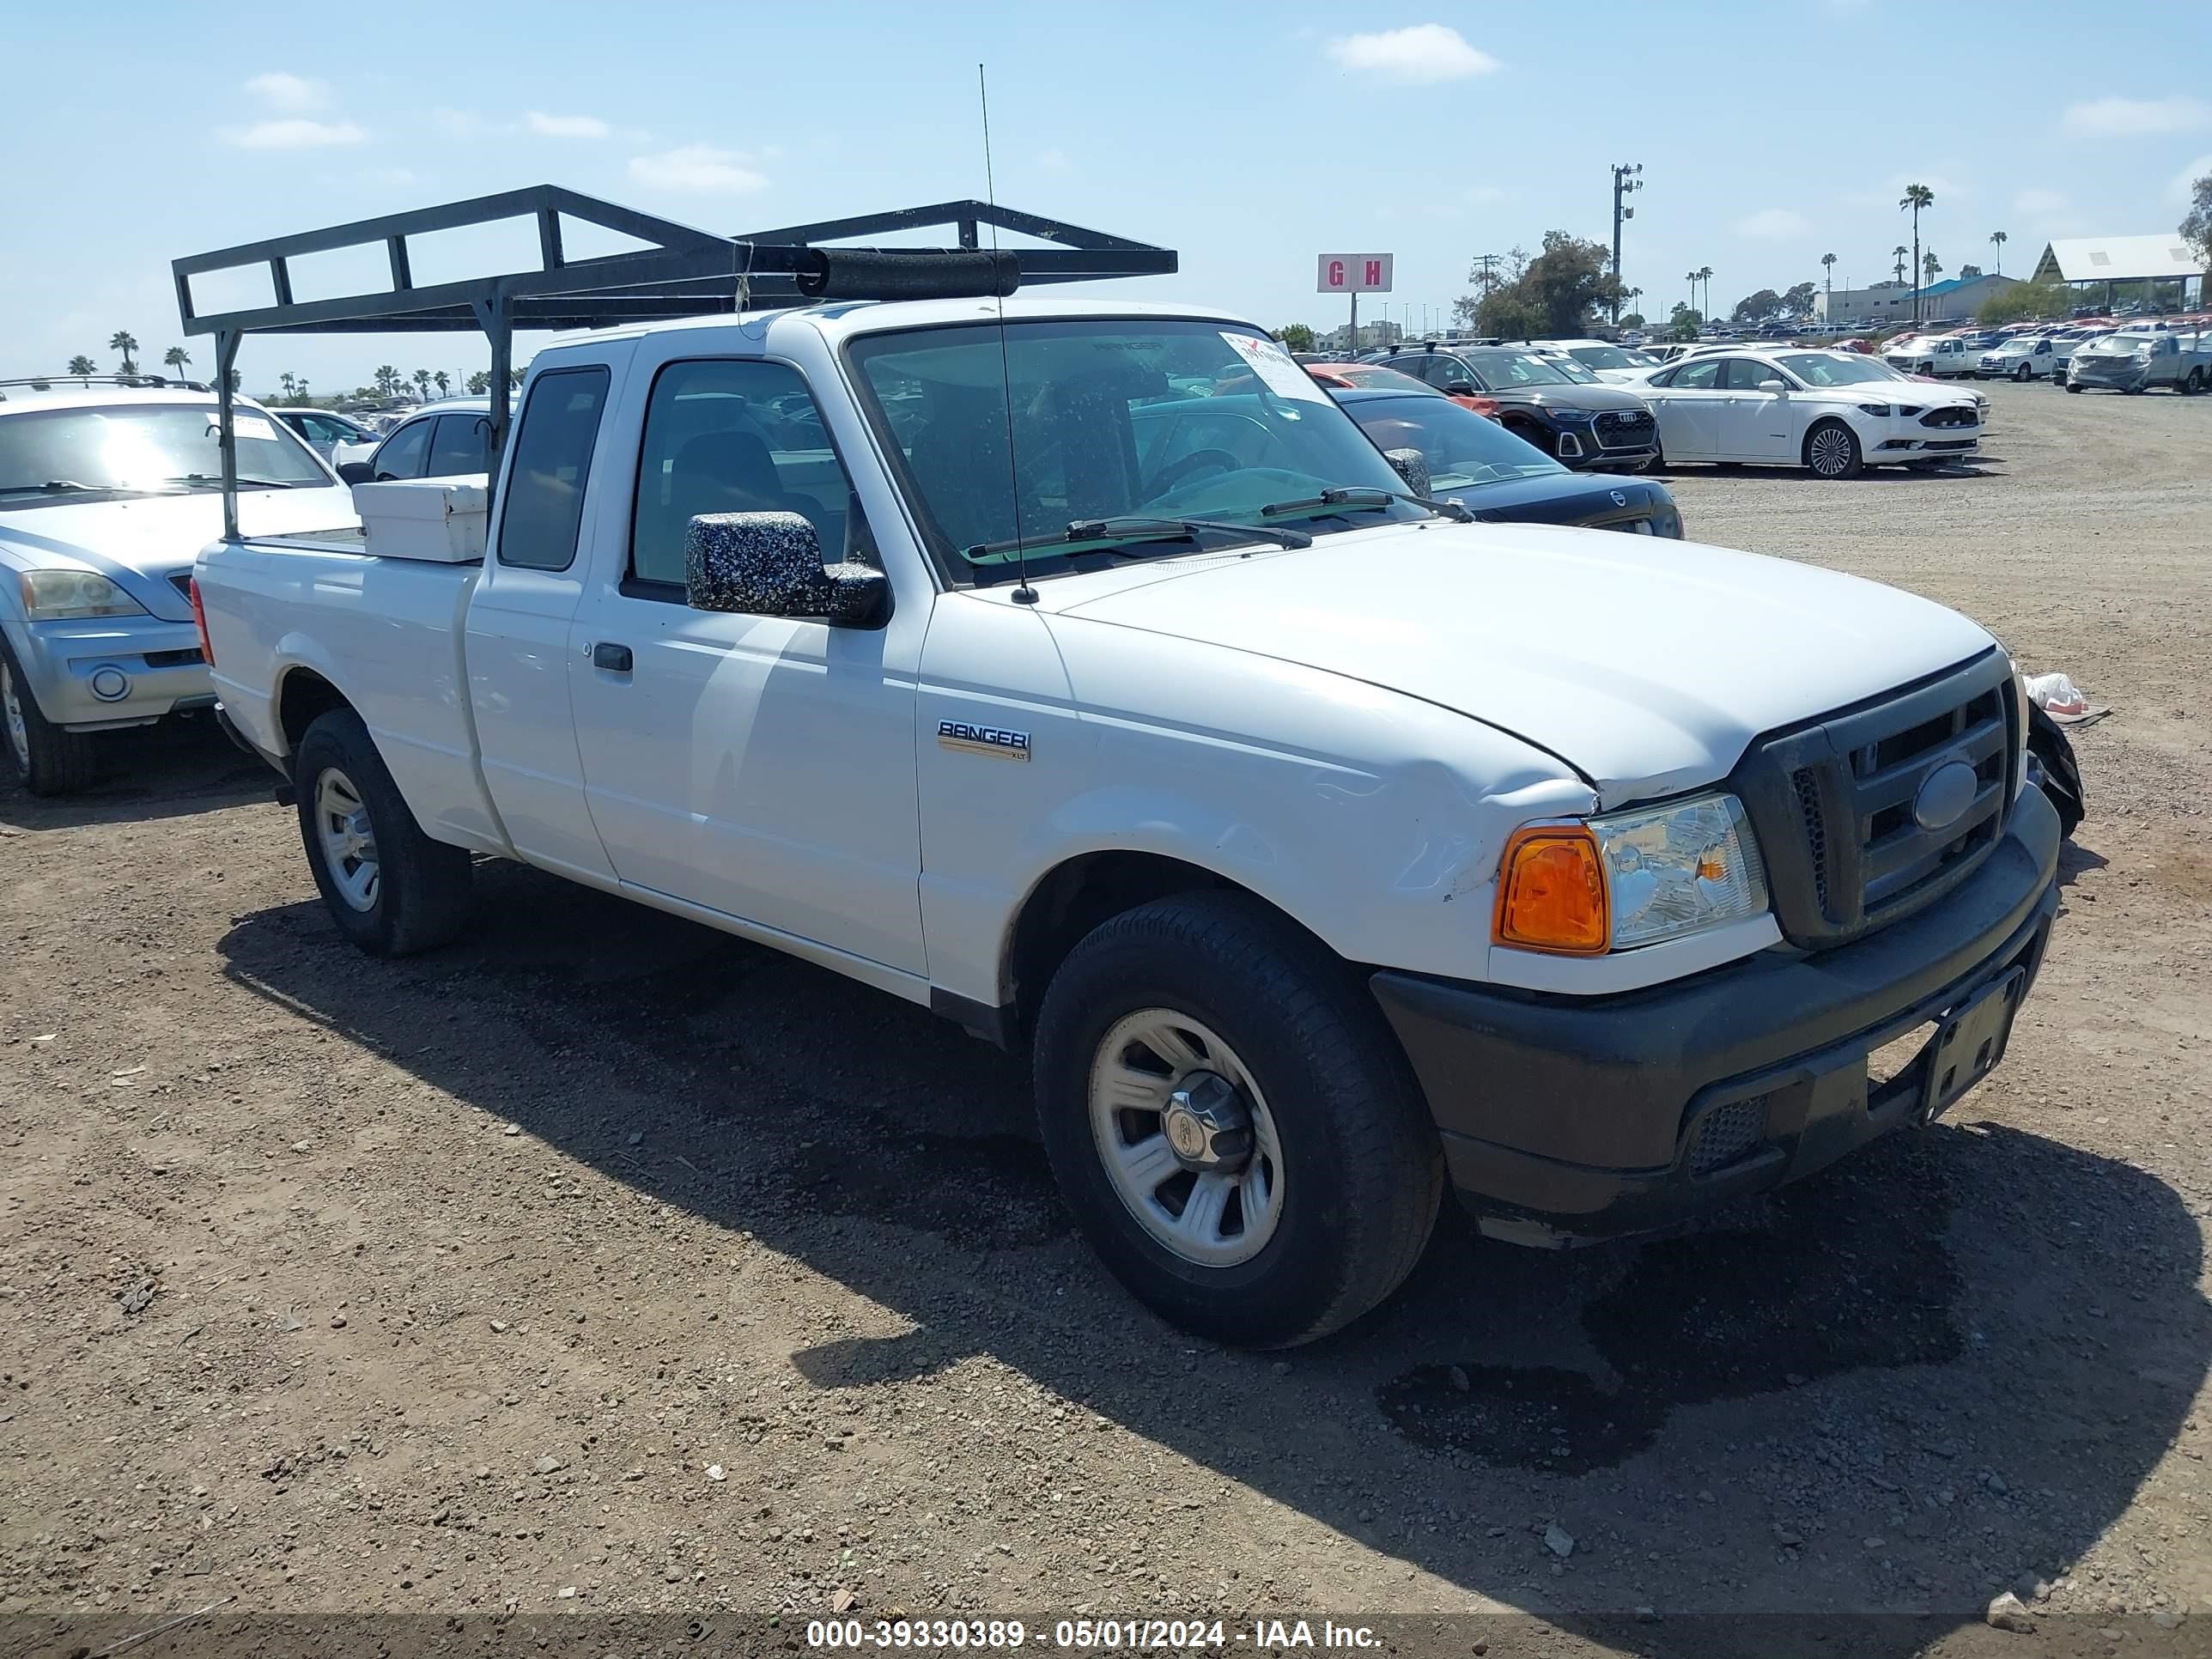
(1726, 1133)
(1955, 416)
(1836, 804)
(1625, 428)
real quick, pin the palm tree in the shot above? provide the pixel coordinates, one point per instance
(1998, 238)
(124, 342)
(82, 366)
(1828, 277)
(479, 383)
(1932, 264)
(1706, 276)
(1690, 277)
(387, 379)
(287, 382)
(1916, 197)
(1897, 263)
(176, 357)
(443, 381)
(421, 378)
(300, 391)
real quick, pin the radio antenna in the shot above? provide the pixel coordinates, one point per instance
(1024, 594)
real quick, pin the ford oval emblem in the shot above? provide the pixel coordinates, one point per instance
(1945, 795)
(1619, 499)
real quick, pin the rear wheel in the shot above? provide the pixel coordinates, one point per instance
(390, 888)
(1232, 1122)
(1831, 451)
(47, 759)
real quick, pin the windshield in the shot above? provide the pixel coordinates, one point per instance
(1606, 356)
(1819, 368)
(1502, 368)
(1461, 447)
(139, 449)
(1099, 430)
(2118, 342)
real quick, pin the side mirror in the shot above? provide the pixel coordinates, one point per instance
(770, 564)
(1412, 466)
(1781, 386)
(1462, 389)
(354, 472)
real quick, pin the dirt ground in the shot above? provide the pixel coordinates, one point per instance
(592, 1267)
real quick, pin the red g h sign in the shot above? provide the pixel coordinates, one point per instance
(1354, 273)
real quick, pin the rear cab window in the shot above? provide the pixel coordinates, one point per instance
(544, 504)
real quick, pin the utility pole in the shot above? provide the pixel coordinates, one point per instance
(1626, 178)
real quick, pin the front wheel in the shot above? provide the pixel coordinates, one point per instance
(48, 759)
(1232, 1122)
(1831, 451)
(2023, 374)
(2073, 386)
(390, 888)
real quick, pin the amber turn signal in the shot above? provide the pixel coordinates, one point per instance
(1550, 892)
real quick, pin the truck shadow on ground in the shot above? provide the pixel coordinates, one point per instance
(1969, 1348)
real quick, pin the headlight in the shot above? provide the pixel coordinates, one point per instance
(51, 595)
(1873, 409)
(1630, 879)
(1569, 415)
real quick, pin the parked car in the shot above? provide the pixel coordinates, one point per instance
(107, 491)
(1589, 427)
(2023, 358)
(325, 430)
(1344, 376)
(439, 441)
(1614, 365)
(1322, 851)
(1829, 411)
(1937, 355)
(2136, 361)
(1478, 463)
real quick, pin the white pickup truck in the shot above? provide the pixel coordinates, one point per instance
(1323, 849)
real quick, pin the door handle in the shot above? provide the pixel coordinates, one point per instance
(615, 658)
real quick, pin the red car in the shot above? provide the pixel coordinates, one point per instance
(1345, 377)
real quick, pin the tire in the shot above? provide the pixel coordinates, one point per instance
(46, 759)
(1342, 1150)
(1831, 451)
(2023, 374)
(409, 893)
(2073, 386)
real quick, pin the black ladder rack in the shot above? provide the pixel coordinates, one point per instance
(680, 272)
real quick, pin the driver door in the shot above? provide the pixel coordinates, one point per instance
(1756, 425)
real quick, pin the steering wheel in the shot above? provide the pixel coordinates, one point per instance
(1198, 460)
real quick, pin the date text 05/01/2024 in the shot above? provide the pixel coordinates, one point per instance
(1089, 1635)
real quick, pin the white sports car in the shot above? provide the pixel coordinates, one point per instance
(1834, 412)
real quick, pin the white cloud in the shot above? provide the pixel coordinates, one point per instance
(1416, 56)
(565, 126)
(2133, 118)
(700, 168)
(2184, 182)
(2039, 202)
(295, 94)
(294, 134)
(1773, 224)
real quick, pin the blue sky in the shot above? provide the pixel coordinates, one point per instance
(1249, 137)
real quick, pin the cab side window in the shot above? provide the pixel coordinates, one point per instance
(553, 447)
(736, 436)
(403, 452)
(462, 443)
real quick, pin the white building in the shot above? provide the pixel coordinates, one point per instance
(1889, 305)
(2115, 259)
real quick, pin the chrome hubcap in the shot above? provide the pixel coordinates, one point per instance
(1186, 1138)
(19, 729)
(348, 838)
(1831, 452)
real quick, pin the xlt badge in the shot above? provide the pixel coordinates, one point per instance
(984, 739)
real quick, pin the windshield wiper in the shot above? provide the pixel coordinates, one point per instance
(1373, 495)
(55, 486)
(1137, 527)
(243, 483)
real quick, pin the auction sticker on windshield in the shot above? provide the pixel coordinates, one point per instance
(252, 426)
(1275, 366)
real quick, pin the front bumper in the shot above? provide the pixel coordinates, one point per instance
(113, 671)
(1580, 447)
(1565, 1119)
